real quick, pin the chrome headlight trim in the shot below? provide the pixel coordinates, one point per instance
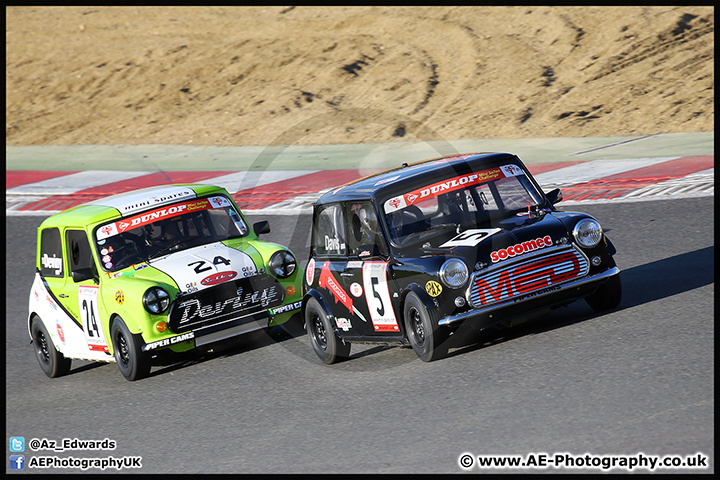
(282, 264)
(588, 233)
(454, 273)
(156, 300)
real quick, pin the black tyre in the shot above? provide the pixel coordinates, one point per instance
(133, 363)
(607, 296)
(326, 344)
(421, 327)
(52, 362)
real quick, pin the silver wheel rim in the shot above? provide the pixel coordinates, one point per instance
(416, 326)
(319, 333)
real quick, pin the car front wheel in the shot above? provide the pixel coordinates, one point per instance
(133, 363)
(422, 330)
(608, 295)
(52, 362)
(326, 344)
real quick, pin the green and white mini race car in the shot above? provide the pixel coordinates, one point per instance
(163, 268)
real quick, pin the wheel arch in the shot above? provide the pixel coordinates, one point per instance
(424, 297)
(312, 293)
(50, 329)
(133, 325)
(30, 317)
(129, 322)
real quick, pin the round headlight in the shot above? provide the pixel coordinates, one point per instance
(282, 264)
(587, 233)
(156, 300)
(454, 273)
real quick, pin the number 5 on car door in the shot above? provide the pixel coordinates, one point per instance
(377, 296)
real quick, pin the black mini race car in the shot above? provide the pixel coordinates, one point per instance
(412, 254)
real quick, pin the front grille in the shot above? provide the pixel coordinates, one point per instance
(523, 278)
(232, 300)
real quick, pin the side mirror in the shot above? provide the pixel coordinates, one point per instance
(82, 274)
(261, 227)
(554, 196)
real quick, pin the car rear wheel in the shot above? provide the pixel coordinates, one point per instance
(608, 295)
(326, 344)
(422, 330)
(52, 362)
(133, 363)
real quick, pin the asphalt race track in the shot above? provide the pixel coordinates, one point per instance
(638, 381)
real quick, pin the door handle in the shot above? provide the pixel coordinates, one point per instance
(62, 295)
(347, 274)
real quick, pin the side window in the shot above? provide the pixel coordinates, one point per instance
(78, 250)
(365, 237)
(51, 259)
(329, 231)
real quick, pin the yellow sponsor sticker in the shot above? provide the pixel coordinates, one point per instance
(433, 288)
(120, 297)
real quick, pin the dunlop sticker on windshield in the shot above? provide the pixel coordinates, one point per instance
(161, 213)
(451, 184)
